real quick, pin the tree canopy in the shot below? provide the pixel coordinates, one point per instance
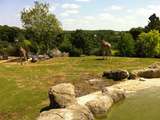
(42, 24)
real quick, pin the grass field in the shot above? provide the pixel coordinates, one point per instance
(23, 89)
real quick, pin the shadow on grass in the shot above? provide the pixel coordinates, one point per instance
(100, 59)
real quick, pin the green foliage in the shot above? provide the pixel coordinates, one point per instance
(42, 24)
(136, 32)
(76, 52)
(154, 23)
(66, 45)
(148, 44)
(9, 33)
(126, 45)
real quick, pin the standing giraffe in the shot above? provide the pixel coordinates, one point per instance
(23, 55)
(106, 48)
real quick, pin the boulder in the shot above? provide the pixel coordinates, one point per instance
(115, 93)
(74, 112)
(116, 75)
(62, 95)
(148, 73)
(34, 58)
(65, 54)
(81, 112)
(154, 66)
(56, 53)
(100, 106)
(132, 76)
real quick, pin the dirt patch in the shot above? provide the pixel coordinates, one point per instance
(4, 116)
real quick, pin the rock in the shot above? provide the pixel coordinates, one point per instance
(56, 114)
(116, 75)
(132, 76)
(56, 53)
(74, 112)
(100, 105)
(142, 79)
(62, 95)
(148, 73)
(94, 81)
(114, 93)
(64, 54)
(81, 112)
(154, 66)
(153, 71)
(34, 59)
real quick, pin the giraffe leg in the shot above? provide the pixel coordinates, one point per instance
(104, 52)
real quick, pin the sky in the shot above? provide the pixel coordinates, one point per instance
(117, 15)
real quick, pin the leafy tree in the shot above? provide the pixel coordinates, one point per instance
(136, 32)
(9, 33)
(148, 44)
(154, 23)
(66, 45)
(126, 45)
(78, 39)
(44, 25)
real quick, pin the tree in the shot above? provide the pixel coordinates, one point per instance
(154, 23)
(136, 32)
(44, 25)
(148, 44)
(9, 33)
(126, 45)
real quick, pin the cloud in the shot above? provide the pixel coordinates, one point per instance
(108, 19)
(114, 8)
(83, 0)
(70, 6)
(69, 9)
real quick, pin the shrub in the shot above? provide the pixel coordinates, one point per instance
(148, 44)
(76, 52)
(126, 45)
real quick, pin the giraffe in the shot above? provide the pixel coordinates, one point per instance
(106, 48)
(23, 55)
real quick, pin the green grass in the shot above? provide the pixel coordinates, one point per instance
(23, 89)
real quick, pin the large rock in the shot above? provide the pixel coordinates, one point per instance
(56, 53)
(115, 93)
(62, 95)
(65, 54)
(100, 106)
(116, 75)
(148, 73)
(155, 66)
(74, 112)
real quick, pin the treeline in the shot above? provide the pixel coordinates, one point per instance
(75, 42)
(137, 42)
(42, 36)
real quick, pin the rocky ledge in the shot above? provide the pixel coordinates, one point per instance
(65, 106)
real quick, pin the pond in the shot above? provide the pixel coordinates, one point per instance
(144, 105)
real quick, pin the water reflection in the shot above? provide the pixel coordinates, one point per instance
(144, 105)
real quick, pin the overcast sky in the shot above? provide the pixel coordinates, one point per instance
(87, 14)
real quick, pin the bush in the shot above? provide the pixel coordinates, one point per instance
(66, 45)
(148, 44)
(126, 45)
(76, 52)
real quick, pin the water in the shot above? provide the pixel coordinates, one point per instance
(144, 105)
